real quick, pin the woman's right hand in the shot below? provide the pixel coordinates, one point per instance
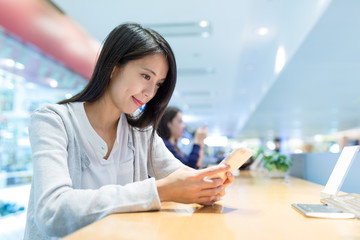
(187, 185)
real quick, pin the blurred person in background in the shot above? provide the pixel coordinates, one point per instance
(171, 128)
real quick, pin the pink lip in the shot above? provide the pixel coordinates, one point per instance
(137, 102)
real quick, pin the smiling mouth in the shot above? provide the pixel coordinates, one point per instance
(137, 102)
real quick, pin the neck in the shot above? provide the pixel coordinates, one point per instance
(173, 141)
(102, 114)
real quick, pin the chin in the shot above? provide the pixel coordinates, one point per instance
(130, 110)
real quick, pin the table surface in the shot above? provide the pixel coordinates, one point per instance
(254, 207)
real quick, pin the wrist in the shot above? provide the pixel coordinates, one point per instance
(161, 188)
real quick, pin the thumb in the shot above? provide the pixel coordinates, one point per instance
(213, 170)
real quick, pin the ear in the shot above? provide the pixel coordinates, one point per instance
(114, 72)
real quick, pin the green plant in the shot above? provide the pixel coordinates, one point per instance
(277, 160)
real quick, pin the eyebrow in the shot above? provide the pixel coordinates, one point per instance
(149, 70)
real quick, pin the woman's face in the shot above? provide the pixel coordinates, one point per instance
(176, 126)
(137, 82)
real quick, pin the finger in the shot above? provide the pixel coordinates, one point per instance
(207, 203)
(212, 182)
(222, 193)
(230, 178)
(211, 191)
(208, 200)
(212, 170)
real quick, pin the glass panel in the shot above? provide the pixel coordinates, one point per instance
(28, 79)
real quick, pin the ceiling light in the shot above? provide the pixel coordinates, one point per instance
(182, 29)
(280, 59)
(19, 66)
(7, 62)
(196, 71)
(52, 82)
(263, 31)
(203, 24)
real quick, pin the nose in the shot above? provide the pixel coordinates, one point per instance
(149, 91)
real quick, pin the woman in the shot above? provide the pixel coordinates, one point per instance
(171, 128)
(92, 154)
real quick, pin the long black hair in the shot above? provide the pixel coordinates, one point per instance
(127, 42)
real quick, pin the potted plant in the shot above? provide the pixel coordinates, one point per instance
(277, 164)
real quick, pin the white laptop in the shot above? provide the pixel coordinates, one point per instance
(336, 206)
(347, 202)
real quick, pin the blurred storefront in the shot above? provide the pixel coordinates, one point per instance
(28, 79)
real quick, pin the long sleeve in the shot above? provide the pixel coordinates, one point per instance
(194, 156)
(57, 207)
(164, 161)
(189, 160)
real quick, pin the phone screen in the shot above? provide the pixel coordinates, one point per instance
(235, 159)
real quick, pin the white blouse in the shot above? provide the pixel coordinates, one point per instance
(119, 167)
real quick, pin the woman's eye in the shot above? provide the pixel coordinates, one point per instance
(147, 77)
(159, 85)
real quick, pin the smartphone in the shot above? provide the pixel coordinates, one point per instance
(322, 211)
(235, 159)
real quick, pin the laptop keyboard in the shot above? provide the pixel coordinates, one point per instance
(348, 202)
